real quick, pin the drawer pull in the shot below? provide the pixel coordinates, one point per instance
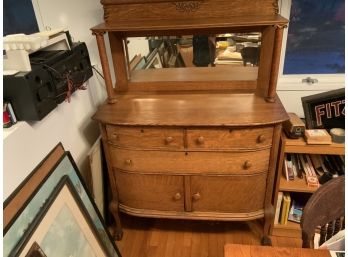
(114, 136)
(169, 140)
(196, 196)
(261, 139)
(247, 165)
(128, 162)
(177, 196)
(200, 140)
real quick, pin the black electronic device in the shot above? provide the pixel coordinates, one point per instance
(54, 75)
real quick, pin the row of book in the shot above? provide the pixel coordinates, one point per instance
(289, 207)
(9, 117)
(314, 168)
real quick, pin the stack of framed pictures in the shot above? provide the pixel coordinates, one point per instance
(52, 214)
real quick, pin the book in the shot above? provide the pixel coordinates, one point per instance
(300, 166)
(296, 210)
(317, 136)
(285, 208)
(311, 179)
(317, 163)
(310, 165)
(294, 164)
(285, 169)
(278, 207)
(290, 169)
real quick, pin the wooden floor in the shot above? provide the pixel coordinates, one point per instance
(145, 237)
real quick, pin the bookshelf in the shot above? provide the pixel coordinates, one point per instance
(292, 229)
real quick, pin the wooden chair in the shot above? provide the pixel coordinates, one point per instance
(325, 208)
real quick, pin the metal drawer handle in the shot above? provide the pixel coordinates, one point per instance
(247, 165)
(200, 140)
(169, 140)
(177, 196)
(128, 162)
(196, 196)
(261, 138)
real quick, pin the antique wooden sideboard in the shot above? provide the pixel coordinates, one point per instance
(194, 142)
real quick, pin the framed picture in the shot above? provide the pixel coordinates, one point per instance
(62, 219)
(38, 188)
(153, 60)
(95, 157)
(17, 201)
(325, 110)
(141, 64)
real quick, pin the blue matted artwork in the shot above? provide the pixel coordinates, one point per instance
(66, 166)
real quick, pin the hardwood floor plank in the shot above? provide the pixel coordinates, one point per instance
(146, 237)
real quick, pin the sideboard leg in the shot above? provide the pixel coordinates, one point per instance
(113, 207)
(266, 240)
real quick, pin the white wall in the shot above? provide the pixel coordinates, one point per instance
(26, 144)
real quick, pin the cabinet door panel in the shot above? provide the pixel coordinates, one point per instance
(190, 162)
(150, 192)
(233, 138)
(235, 194)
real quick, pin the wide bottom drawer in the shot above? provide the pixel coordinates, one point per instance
(242, 163)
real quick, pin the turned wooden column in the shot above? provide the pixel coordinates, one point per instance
(118, 53)
(275, 63)
(105, 65)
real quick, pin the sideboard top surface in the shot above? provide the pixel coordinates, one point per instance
(191, 109)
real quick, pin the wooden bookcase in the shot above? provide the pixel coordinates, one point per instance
(292, 229)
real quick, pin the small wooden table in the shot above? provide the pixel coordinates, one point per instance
(235, 250)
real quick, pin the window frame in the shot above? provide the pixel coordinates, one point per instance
(294, 82)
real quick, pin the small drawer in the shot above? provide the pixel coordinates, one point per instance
(146, 137)
(230, 138)
(172, 162)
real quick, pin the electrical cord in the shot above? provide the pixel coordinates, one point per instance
(99, 73)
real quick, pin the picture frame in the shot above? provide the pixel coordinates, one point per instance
(63, 219)
(153, 60)
(43, 179)
(141, 64)
(17, 201)
(325, 110)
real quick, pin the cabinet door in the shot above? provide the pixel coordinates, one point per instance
(232, 194)
(150, 192)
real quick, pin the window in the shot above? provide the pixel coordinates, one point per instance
(315, 43)
(313, 47)
(19, 17)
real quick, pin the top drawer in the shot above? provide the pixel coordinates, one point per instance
(233, 138)
(146, 137)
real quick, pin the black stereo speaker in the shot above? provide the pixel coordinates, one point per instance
(54, 73)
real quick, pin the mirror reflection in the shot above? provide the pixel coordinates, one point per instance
(232, 49)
